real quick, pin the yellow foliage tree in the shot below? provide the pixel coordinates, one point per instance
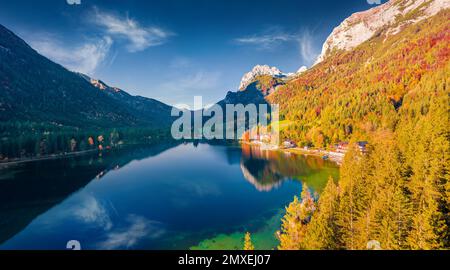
(248, 245)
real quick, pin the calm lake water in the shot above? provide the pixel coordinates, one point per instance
(154, 197)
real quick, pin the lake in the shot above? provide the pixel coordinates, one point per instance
(184, 196)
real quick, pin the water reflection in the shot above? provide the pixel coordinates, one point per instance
(150, 197)
(267, 170)
(27, 190)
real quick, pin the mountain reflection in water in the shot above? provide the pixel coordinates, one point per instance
(267, 170)
(169, 196)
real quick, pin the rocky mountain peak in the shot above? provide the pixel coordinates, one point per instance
(259, 70)
(302, 69)
(394, 15)
(99, 84)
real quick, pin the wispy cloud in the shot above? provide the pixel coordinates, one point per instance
(87, 56)
(201, 80)
(308, 50)
(138, 37)
(192, 82)
(138, 228)
(117, 234)
(180, 63)
(84, 57)
(74, 2)
(273, 37)
(183, 85)
(93, 212)
(268, 39)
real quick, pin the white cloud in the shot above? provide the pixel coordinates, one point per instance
(74, 2)
(85, 58)
(182, 86)
(374, 2)
(308, 51)
(139, 38)
(269, 39)
(93, 212)
(264, 41)
(201, 80)
(138, 228)
(273, 37)
(180, 63)
(188, 83)
(88, 56)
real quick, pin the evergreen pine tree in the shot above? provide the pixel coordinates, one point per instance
(322, 232)
(354, 197)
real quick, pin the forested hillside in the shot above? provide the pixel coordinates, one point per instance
(46, 109)
(393, 91)
(353, 94)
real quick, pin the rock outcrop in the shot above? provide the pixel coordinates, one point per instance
(391, 16)
(259, 70)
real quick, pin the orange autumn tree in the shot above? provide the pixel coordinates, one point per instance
(393, 92)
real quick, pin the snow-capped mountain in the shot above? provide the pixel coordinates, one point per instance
(393, 15)
(260, 70)
(301, 70)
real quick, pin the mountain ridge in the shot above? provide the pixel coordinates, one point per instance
(146, 107)
(33, 88)
(356, 93)
(266, 70)
(394, 14)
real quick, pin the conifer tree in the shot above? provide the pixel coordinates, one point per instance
(426, 221)
(248, 245)
(354, 196)
(427, 158)
(307, 204)
(398, 193)
(390, 208)
(292, 227)
(295, 222)
(322, 232)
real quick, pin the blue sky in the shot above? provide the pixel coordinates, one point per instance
(172, 50)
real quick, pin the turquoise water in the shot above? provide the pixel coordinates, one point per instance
(153, 197)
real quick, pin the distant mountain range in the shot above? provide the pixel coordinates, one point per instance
(35, 89)
(153, 111)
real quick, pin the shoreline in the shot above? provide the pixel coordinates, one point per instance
(16, 161)
(50, 157)
(336, 157)
(332, 156)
